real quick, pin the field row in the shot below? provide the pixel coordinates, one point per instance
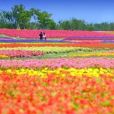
(59, 72)
(87, 45)
(59, 62)
(54, 52)
(53, 33)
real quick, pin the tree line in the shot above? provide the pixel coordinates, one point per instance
(21, 18)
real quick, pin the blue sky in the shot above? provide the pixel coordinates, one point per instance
(89, 10)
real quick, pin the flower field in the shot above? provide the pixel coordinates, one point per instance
(33, 34)
(57, 78)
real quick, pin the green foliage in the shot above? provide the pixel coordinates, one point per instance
(33, 18)
(21, 16)
(66, 25)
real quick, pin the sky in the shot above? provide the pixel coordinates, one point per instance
(92, 11)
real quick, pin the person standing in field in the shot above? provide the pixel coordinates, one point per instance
(44, 36)
(41, 35)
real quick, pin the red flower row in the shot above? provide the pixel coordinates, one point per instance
(20, 53)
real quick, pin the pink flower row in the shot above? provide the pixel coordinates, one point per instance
(53, 63)
(20, 53)
(53, 33)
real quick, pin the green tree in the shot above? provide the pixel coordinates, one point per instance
(6, 20)
(21, 16)
(66, 25)
(77, 24)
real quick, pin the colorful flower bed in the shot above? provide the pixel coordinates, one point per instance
(56, 78)
(39, 51)
(64, 91)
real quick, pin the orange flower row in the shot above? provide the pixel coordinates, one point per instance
(90, 45)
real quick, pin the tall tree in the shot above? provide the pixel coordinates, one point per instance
(6, 20)
(21, 16)
(43, 19)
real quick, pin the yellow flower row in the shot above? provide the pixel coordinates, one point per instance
(3, 56)
(91, 54)
(62, 72)
(44, 49)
